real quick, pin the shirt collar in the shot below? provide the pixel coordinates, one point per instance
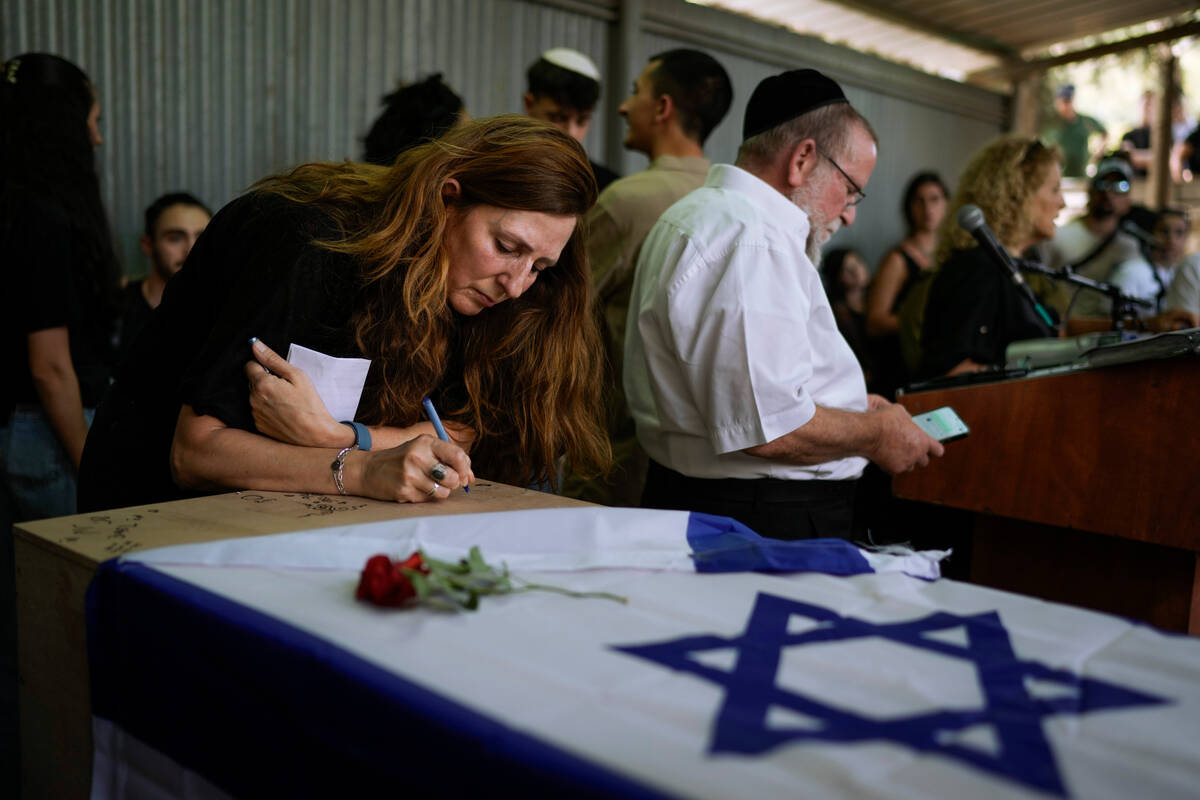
(775, 205)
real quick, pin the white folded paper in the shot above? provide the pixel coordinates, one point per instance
(339, 381)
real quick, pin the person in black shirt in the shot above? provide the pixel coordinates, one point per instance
(173, 223)
(459, 272)
(902, 267)
(1137, 140)
(974, 311)
(61, 282)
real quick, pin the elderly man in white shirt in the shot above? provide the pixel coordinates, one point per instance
(747, 399)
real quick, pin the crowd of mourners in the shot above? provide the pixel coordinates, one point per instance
(674, 338)
(577, 329)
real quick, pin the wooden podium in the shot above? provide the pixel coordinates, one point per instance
(1086, 486)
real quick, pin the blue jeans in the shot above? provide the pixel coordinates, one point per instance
(38, 476)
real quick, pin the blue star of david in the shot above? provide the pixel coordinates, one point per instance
(1024, 755)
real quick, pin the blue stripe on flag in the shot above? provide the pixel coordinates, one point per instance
(721, 544)
(265, 709)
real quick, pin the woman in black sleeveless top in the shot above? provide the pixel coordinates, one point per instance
(924, 206)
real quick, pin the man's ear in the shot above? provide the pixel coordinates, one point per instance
(801, 163)
(527, 99)
(664, 108)
(147, 246)
(451, 191)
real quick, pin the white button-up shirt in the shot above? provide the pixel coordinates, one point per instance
(730, 340)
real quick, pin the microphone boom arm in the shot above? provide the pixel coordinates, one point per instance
(1123, 306)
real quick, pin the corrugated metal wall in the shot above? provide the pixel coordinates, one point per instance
(210, 95)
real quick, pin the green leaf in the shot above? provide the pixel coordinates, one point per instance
(472, 602)
(475, 559)
(420, 582)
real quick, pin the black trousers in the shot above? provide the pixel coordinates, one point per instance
(771, 507)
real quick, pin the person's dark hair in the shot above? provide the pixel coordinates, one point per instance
(156, 209)
(47, 157)
(522, 374)
(910, 194)
(699, 86)
(412, 114)
(831, 272)
(1179, 212)
(566, 87)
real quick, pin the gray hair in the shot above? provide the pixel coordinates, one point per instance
(829, 126)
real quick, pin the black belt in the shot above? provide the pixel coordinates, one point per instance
(763, 490)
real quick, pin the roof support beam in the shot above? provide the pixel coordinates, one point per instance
(1020, 69)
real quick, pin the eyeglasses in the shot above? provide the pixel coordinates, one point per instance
(1120, 186)
(858, 195)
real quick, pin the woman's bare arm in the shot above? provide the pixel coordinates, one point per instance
(882, 295)
(207, 454)
(57, 388)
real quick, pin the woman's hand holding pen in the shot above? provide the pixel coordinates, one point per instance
(406, 474)
(419, 468)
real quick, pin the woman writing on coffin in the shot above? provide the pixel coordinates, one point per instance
(459, 272)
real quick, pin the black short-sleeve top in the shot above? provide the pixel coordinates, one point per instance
(974, 311)
(49, 284)
(255, 271)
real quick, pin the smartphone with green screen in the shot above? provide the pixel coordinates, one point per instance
(942, 424)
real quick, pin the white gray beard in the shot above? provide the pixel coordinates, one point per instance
(813, 249)
(801, 198)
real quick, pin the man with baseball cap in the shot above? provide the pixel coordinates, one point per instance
(1094, 244)
(562, 88)
(745, 396)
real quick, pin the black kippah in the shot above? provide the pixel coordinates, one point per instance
(786, 96)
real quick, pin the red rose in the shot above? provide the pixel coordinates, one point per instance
(415, 562)
(384, 583)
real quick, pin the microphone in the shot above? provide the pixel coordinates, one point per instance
(971, 220)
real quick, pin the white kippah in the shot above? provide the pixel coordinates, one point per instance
(573, 60)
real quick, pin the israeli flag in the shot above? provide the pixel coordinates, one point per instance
(738, 667)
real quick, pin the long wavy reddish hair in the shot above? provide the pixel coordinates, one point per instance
(524, 374)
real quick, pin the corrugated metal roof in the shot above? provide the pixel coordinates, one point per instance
(955, 38)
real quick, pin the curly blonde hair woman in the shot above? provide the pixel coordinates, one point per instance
(460, 272)
(973, 310)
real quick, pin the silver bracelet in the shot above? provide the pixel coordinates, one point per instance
(338, 465)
